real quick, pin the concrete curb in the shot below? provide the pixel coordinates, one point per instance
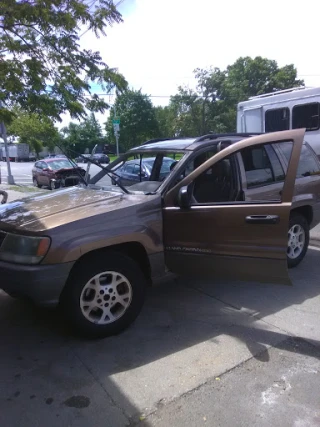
(314, 241)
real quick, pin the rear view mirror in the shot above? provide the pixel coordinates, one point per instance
(45, 169)
(184, 197)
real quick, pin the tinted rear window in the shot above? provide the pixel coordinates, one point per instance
(308, 165)
(306, 116)
(277, 119)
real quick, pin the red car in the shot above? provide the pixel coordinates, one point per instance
(56, 172)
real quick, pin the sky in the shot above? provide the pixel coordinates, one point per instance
(161, 42)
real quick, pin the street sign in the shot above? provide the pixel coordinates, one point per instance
(116, 127)
(116, 121)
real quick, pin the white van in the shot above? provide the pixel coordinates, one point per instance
(286, 109)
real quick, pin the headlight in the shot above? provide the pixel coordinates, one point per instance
(24, 249)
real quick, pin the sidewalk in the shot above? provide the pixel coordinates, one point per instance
(315, 236)
(16, 192)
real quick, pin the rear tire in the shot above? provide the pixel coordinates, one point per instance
(298, 239)
(35, 183)
(103, 296)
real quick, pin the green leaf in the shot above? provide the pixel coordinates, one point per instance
(41, 58)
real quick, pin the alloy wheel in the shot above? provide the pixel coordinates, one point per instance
(296, 241)
(105, 297)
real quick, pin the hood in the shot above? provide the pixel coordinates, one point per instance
(62, 170)
(53, 209)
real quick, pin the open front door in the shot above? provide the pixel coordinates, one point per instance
(210, 232)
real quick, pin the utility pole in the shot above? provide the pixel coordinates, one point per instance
(116, 128)
(4, 136)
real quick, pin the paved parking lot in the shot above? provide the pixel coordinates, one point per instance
(200, 354)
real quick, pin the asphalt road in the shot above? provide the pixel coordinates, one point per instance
(22, 174)
(201, 353)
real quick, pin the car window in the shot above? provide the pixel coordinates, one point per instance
(277, 119)
(136, 169)
(257, 166)
(216, 184)
(278, 172)
(60, 164)
(38, 165)
(157, 166)
(306, 116)
(129, 168)
(262, 166)
(198, 160)
(308, 165)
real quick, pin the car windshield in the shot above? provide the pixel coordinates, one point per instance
(142, 172)
(60, 164)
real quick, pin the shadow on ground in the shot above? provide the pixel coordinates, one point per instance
(188, 332)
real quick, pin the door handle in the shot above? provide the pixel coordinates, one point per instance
(262, 219)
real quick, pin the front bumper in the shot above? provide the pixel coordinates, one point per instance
(42, 284)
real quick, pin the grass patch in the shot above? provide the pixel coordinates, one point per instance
(23, 188)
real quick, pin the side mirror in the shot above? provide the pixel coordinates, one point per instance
(184, 197)
(45, 169)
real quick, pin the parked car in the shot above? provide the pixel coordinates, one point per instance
(236, 207)
(56, 172)
(101, 158)
(130, 173)
(32, 157)
(55, 156)
(81, 159)
(98, 158)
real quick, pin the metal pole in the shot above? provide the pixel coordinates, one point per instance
(116, 133)
(4, 136)
(117, 143)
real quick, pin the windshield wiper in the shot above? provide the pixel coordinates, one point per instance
(109, 172)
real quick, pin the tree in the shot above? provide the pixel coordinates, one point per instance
(84, 135)
(137, 119)
(250, 77)
(165, 118)
(35, 130)
(212, 107)
(42, 67)
(187, 107)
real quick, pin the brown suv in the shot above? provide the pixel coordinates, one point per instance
(236, 207)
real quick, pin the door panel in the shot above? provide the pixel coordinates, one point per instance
(41, 173)
(253, 120)
(226, 239)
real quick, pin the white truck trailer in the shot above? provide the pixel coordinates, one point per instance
(17, 152)
(287, 109)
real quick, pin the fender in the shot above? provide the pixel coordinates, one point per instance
(72, 250)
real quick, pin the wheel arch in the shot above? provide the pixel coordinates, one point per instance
(134, 250)
(306, 211)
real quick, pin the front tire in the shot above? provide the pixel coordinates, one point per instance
(52, 185)
(104, 296)
(298, 239)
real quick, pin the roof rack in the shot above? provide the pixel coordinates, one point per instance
(222, 135)
(150, 141)
(278, 92)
